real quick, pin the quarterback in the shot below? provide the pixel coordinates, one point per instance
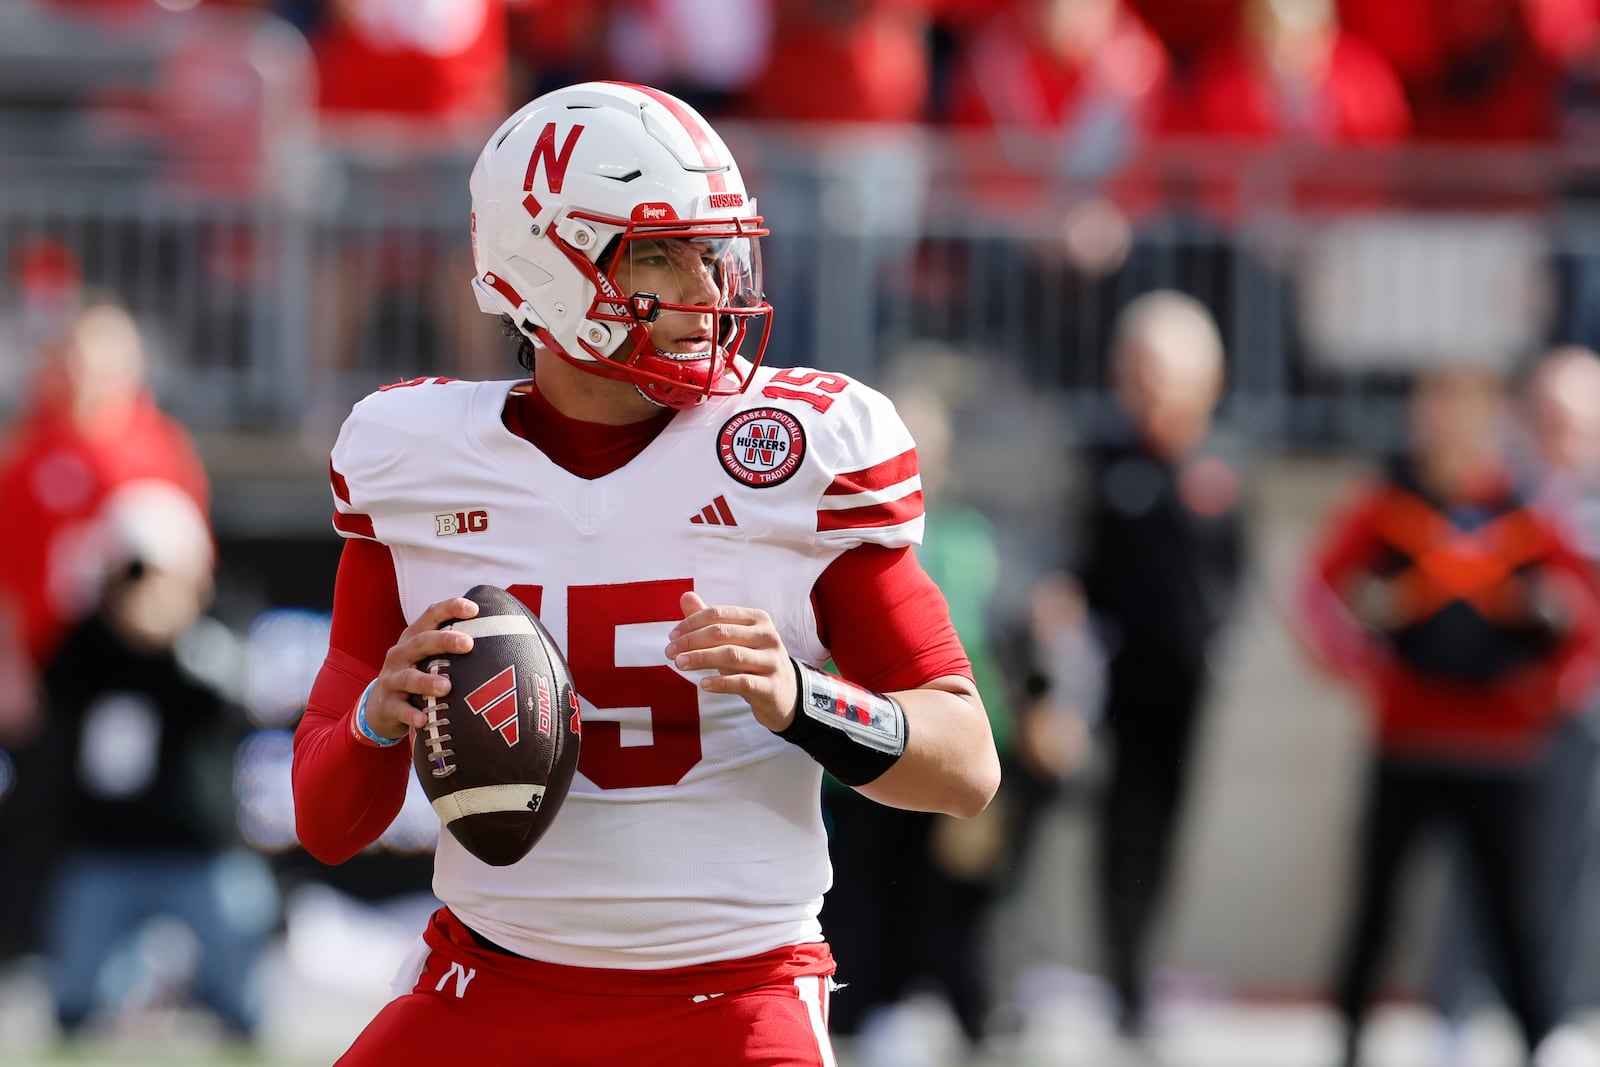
(701, 534)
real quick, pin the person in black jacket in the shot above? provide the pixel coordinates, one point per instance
(1160, 552)
(143, 723)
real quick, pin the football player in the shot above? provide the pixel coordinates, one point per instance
(701, 534)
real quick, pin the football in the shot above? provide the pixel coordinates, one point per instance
(497, 756)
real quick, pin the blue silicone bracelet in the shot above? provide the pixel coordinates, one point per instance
(366, 730)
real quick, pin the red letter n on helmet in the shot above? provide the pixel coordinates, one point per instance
(555, 164)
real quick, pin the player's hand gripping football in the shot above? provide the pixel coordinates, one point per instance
(742, 645)
(390, 712)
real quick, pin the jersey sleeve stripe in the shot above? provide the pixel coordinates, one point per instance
(354, 524)
(861, 500)
(879, 476)
(890, 513)
(341, 488)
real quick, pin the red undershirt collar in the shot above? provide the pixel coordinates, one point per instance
(587, 449)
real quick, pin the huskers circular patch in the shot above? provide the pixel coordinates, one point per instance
(761, 447)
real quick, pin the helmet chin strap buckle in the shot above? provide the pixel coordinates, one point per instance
(646, 307)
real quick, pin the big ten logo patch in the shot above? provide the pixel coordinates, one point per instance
(460, 522)
(761, 447)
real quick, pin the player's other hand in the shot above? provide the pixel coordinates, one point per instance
(742, 645)
(390, 712)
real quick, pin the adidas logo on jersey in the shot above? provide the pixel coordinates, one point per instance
(716, 513)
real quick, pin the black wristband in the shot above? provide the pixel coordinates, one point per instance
(854, 733)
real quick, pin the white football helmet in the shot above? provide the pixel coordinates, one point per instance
(559, 194)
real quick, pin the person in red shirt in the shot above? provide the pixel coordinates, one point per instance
(700, 534)
(1084, 79)
(1293, 76)
(436, 61)
(844, 61)
(92, 427)
(89, 437)
(1468, 622)
(1477, 70)
(1053, 102)
(407, 80)
(1062, 67)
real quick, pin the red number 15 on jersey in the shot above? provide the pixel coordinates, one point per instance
(593, 614)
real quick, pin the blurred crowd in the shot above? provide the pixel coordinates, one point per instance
(1103, 72)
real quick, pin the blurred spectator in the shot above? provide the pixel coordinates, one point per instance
(47, 283)
(415, 60)
(1056, 674)
(90, 427)
(556, 43)
(845, 61)
(1469, 623)
(1188, 27)
(137, 710)
(404, 87)
(1580, 91)
(1475, 70)
(1560, 455)
(1160, 555)
(1557, 459)
(1053, 102)
(705, 52)
(213, 93)
(1084, 71)
(1081, 79)
(1293, 75)
(900, 874)
(864, 67)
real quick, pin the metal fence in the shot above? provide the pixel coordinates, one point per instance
(282, 270)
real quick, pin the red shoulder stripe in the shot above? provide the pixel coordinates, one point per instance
(879, 476)
(341, 488)
(354, 523)
(890, 513)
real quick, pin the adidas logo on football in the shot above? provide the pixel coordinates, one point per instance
(715, 513)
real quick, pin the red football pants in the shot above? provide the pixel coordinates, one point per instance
(473, 1005)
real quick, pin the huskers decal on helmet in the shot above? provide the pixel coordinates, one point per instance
(761, 447)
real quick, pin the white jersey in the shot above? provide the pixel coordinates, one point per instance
(692, 833)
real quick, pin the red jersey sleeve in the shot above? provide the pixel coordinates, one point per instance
(886, 621)
(347, 793)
